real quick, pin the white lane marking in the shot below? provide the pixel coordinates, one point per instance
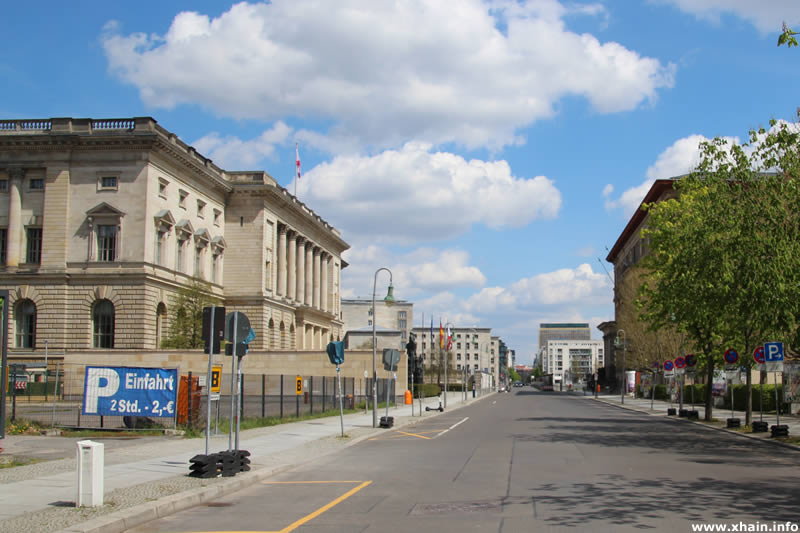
(451, 427)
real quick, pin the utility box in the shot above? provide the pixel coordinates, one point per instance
(90, 474)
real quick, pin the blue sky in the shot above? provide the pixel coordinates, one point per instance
(486, 152)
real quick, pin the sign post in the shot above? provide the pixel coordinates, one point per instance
(731, 369)
(3, 362)
(691, 361)
(336, 355)
(213, 323)
(237, 326)
(680, 368)
(758, 357)
(773, 356)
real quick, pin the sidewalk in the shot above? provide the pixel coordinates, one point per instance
(659, 408)
(145, 482)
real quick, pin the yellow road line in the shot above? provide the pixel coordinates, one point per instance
(414, 435)
(295, 525)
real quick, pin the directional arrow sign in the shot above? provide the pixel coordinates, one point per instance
(773, 355)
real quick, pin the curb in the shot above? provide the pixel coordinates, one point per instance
(786, 445)
(120, 521)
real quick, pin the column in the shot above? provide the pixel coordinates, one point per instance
(309, 273)
(317, 280)
(291, 269)
(282, 261)
(301, 270)
(326, 263)
(14, 233)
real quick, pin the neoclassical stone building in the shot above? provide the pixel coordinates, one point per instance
(102, 221)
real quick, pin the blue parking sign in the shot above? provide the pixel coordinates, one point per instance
(773, 352)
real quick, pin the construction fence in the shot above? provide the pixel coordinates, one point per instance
(55, 398)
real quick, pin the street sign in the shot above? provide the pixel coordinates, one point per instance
(758, 357)
(242, 326)
(691, 359)
(390, 359)
(680, 362)
(336, 352)
(298, 385)
(731, 356)
(216, 375)
(773, 356)
(669, 369)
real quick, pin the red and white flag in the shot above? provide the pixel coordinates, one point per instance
(297, 159)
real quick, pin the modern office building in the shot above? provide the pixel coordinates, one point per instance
(563, 331)
(570, 361)
(103, 222)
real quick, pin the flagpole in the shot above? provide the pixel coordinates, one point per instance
(296, 168)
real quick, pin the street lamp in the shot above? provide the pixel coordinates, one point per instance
(617, 344)
(389, 299)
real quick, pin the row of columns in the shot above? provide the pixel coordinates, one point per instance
(302, 270)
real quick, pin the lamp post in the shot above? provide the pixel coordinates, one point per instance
(389, 299)
(617, 344)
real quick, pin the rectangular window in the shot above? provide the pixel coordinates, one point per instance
(217, 215)
(201, 209)
(182, 198)
(106, 243)
(108, 183)
(214, 266)
(162, 188)
(34, 253)
(401, 315)
(3, 185)
(198, 255)
(159, 247)
(402, 324)
(179, 256)
(37, 184)
(3, 241)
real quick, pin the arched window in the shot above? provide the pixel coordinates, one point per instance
(103, 321)
(270, 334)
(26, 324)
(161, 321)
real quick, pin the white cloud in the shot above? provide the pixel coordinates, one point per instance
(679, 159)
(765, 16)
(232, 153)
(381, 73)
(412, 195)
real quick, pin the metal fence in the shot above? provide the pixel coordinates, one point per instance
(55, 399)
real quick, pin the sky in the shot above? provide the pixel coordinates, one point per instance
(489, 153)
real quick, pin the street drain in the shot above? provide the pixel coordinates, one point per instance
(218, 504)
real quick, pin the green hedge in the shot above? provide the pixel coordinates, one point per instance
(427, 390)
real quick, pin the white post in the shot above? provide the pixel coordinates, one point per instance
(90, 474)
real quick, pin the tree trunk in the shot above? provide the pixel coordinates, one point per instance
(709, 383)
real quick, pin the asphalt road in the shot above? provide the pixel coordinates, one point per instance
(521, 462)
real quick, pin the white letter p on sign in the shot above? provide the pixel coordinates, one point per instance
(100, 383)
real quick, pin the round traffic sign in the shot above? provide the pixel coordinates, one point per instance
(691, 359)
(731, 356)
(668, 365)
(758, 355)
(680, 362)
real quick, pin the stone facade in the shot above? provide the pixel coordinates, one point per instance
(357, 314)
(103, 221)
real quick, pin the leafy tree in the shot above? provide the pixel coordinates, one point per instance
(186, 316)
(725, 256)
(513, 375)
(787, 37)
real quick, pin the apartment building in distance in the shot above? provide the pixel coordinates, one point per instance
(571, 361)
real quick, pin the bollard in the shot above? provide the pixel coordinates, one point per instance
(90, 474)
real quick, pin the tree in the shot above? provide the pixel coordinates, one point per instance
(186, 316)
(725, 258)
(787, 37)
(513, 375)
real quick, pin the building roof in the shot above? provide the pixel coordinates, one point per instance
(565, 325)
(657, 190)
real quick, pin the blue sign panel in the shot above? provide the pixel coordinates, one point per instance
(129, 391)
(773, 351)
